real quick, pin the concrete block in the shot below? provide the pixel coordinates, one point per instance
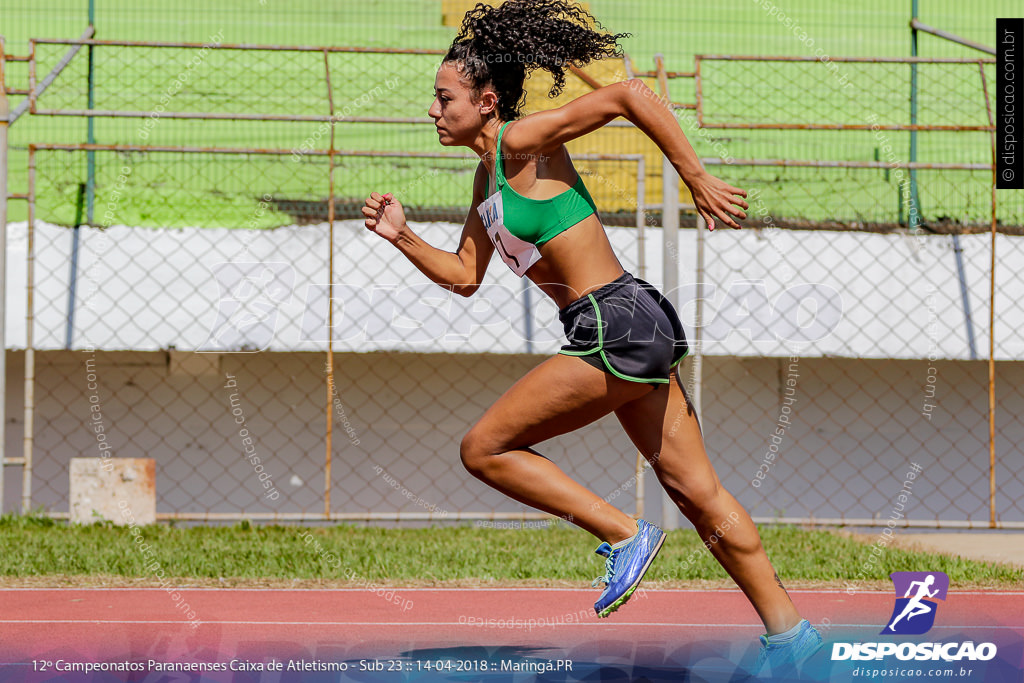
(106, 488)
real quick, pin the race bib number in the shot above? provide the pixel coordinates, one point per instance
(517, 254)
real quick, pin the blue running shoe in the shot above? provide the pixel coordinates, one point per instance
(782, 657)
(627, 562)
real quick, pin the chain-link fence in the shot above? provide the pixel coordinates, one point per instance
(187, 290)
(193, 335)
(886, 333)
(884, 370)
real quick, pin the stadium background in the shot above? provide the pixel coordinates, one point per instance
(897, 257)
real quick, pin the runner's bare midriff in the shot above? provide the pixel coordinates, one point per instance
(575, 263)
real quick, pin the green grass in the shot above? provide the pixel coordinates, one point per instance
(175, 193)
(40, 547)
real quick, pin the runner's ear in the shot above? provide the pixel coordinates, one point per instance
(488, 102)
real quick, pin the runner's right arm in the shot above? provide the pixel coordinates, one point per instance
(462, 270)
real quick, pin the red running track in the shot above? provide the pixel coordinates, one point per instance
(262, 624)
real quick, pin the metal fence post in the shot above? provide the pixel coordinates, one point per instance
(914, 215)
(698, 323)
(992, 524)
(670, 265)
(90, 156)
(641, 267)
(670, 251)
(4, 113)
(30, 358)
(331, 387)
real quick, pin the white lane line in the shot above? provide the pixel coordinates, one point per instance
(538, 624)
(652, 591)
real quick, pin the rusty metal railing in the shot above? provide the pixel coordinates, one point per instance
(703, 121)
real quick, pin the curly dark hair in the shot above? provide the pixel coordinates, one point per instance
(499, 46)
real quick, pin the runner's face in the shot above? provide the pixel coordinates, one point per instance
(457, 114)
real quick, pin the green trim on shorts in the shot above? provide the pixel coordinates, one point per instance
(580, 353)
(604, 358)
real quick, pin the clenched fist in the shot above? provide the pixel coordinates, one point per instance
(384, 215)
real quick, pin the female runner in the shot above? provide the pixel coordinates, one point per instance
(530, 205)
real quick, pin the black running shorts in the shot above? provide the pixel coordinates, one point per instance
(626, 328)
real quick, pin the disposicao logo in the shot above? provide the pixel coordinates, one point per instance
(914, 612)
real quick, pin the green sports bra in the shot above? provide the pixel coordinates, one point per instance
(538, 220)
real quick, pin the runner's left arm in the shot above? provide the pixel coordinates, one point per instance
(634, 101)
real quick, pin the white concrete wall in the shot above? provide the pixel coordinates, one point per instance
(855, 427)
(848, 294)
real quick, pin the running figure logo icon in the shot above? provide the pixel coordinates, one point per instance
(251, 296)
(914, 613)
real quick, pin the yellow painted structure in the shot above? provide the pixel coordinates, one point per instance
(612, 183)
